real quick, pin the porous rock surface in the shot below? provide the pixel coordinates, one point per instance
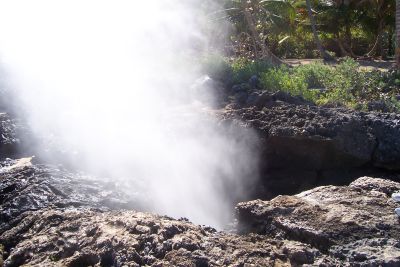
(127, 238)
(335, 137)
(355, 223)
(50, 217)
(303, 145)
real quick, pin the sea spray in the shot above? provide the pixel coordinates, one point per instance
(106, 86)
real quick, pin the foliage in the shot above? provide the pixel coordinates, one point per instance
(293, 81)
(243, 69)
(346, 28)
(345, 84)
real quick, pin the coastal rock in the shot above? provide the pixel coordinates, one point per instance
(354, 223)
(34, 187)
(317, 145)
(128, 238)
(10, 141)
(52, 217)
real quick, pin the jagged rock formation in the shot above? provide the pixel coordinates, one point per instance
(305, 145)
(355, 223)
(50, 217)
(33, 187)
(127, 238)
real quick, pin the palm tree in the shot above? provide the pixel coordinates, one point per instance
(383, 10)
(321, 49)
(256, 18)
(265, 51)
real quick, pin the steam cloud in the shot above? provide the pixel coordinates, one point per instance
(108, 84)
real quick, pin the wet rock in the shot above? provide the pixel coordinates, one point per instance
(10, 142)
(52, 217)
(352, 223)
(326, 226)
(34, 187)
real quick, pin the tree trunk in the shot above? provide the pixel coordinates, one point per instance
(349, 41)
(265, 52)
(343, 51)
(378, 41)
(398, 33)
(324, 54)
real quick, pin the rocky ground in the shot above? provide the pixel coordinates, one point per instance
(304, 145)
(354, 223)
(50, 216)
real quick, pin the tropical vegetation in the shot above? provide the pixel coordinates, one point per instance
(341, 33)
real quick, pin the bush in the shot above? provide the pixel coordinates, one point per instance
(314, 74)
(243, 69)
(294, 82)
(344, 84)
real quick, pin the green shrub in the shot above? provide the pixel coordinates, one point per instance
(343, 84)
(289, 81)
(243, 69)
(314, 74)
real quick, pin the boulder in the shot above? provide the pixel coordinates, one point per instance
(354, 223)
(254, 82)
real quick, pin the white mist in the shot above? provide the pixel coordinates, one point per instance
(108, 83)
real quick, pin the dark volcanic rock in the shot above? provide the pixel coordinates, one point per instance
(319, 138)
(322, 138)
(9, 136)
(317, 145)
(353, 223)
(36, 187)
(54, 218)
(51, 217)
